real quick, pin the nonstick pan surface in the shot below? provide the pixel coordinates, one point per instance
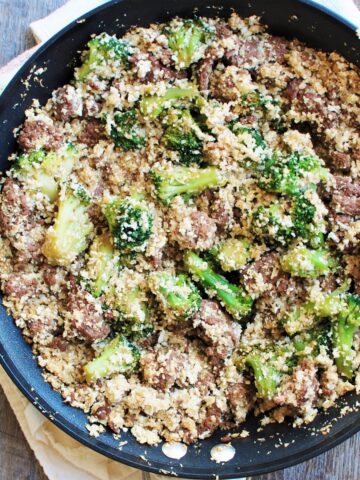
(58, 56)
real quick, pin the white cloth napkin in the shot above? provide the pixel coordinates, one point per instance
(60, 456)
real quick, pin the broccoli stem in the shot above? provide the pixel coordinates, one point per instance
(266, 376)
(233, 298)
(307, 263)
(185, 181)
(345, 325)
(343, 336)
(154, 105)
(305, 316)
(118, 356)
(68, 237)
(100, 264)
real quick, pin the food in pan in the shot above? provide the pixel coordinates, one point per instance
(180, 230)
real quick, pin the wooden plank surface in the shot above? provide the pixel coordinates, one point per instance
(17, 462)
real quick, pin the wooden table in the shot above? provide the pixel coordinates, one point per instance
(17, 462)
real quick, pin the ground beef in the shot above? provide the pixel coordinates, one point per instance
(306, 105)
(197, 230)
(353, 269)
(300, 390)
(346, 196)
(84, 317)
(216, 328)
(156, 70)
(335, 160)
(265, 274)
(241, 396)
(340, 225)
(223, 215)
(212, 421)
(92, 132)
(37, 134)
(223, 86)
(67, 103)
(205, 67)
(253, 51)
(18, 222)
(162, 367)
(21, 285)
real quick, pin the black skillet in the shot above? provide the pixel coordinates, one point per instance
(285, 17)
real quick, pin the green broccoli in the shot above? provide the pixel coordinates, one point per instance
(128, 295)
(188, 39)
(303, 317)
(68, 237)
(269, 363)
(182, 136)
(43, 171)
(281, 222)
(255, 100)
(101, 264)
(187, 181)
(154, 105)
(344, 327)
(118, 356)
(127, 132)
(273, 224)
(131, 222)
(178, 296)
(290, 175)
(232, 254)
(301, 261)
(311, 343)
(236, 127)
(267, 376)
(232, 297)
(103, 50)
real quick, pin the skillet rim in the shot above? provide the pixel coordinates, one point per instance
(81, 435)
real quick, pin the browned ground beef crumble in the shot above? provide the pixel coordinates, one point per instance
(188, 381)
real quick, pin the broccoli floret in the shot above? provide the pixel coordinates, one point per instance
(268, 362)
(266, 376)
(187, 144)
(232, 254)
(303, 213)
(291, 174)
(182, 136)
(279, 223)
(273, 224)
(131, 222)
(255, 100)
(127, 132)
(313, 342)
(153, 106)
(232, 297)
(236, 127)
(177, 294)
(187, 181)
(103, 50)
(188, 39)
(128, 295)
(301, 261)
(344, 327)
(101, 265)
(118, 356)
(310, 313)
(68, 237)
(43, 171)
